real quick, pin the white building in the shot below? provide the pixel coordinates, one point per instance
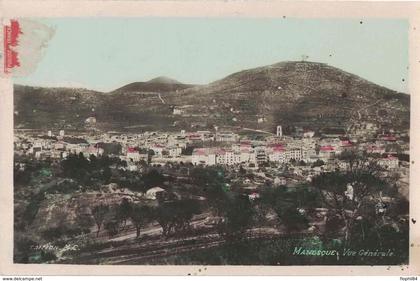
(227, 137)
(261, 119)
(174, 151)
(247, 155)
(280, 181)
(308, 134)
(227, 157)
(90, 120)
(132, 167)
(154, 193)
(133, 154)
(158, 149)
(177, 111)
(294, 153)
(260, 155)
(375, 148)
(93, 150)
(203, 156)
(326, 152)
(277, 153)
(279, 132)
(389, 162)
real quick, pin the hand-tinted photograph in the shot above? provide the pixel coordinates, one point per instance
(213, 141)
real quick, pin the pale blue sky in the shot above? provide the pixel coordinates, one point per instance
(106, 53)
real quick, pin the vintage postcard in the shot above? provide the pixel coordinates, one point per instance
(209, 137)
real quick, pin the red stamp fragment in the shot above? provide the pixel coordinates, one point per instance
(11, 35)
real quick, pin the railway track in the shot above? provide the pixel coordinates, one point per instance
(144, 253)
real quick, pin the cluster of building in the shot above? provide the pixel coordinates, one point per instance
(51, 146)
(207, 147)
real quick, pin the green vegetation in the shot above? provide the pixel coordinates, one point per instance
(348, 198)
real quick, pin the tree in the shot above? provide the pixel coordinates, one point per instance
(139, 216)
(333, 224)
(318, 163)
(238, 215)
(76, 166)
(292, 219)
(347, 193)
(212, 181)
(165, 217)
(279, 199)
(302, 163)
(153, 178)
(185, 209)
(290, 205)
(83, 219)
(205, 175)
(352, 158)
(176, 216)
(106, 174)
(112, 227)
(99, 213)
(150, 154)
(123, 212)
(131, 180)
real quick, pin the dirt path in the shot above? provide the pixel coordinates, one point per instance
(161, 99)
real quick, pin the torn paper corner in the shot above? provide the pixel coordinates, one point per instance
(24, 43)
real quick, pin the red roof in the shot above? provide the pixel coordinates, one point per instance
(131, 150)
(327, 148)
(276, 145)
(195, 135)
(278, 148)
(389, 138)
(390, 157)
(199, 151)
(346, 143)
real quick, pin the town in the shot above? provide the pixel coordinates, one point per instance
(307, 153)
(213, 186)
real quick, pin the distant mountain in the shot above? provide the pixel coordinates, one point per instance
(307, 94)
(158, 84)
(164, 80)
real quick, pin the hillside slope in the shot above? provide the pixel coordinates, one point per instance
(307, 94)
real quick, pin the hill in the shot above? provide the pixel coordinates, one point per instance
(41, 107)
(308, 94)
(158, 84)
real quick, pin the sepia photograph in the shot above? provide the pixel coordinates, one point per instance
(229, 141)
